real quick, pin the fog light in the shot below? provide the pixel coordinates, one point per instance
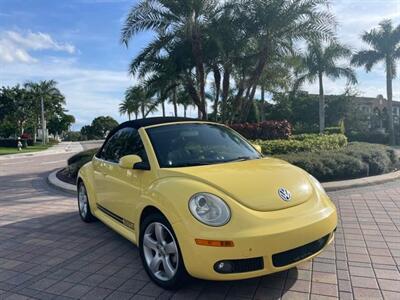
(239, 265)
(223, 267)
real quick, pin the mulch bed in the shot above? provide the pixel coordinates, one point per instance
(64, 175)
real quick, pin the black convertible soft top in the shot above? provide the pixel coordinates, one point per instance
(146, 122)
(153, 121)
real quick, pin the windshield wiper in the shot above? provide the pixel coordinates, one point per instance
(240, 158)
(191, 164)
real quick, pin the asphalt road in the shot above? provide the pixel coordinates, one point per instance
(46, 252)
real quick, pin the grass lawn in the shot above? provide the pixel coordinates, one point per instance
(11, 150)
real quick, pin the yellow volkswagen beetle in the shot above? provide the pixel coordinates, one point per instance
(200, 200)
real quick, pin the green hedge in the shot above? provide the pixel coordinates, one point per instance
(76, 161)
(369, 137)
(12, 143)
(354, 161)
(303, 143)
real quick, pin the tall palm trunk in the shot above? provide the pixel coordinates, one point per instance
(192, 91)
(174, 101)
(129, 116)
(34, 133)
(184, 110)
(217, 80)
(225, 93)
(389, 90)
(142, 109)
(321, 104)
(262, 112)
(250, 88)
(163, 108)
(200, 71)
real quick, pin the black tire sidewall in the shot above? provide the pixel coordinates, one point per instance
(89, 217)
(181, 275)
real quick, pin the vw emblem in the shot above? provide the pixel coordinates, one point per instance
(284, 194)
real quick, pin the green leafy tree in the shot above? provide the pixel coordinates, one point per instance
(102, 125)
(87, 133)
(16, 108)
(384, 43)
(320, 61)
(61, 123)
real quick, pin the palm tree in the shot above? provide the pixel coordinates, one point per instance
(49, 101)
(385, 44)
(175, 22)
(234, 40)
(139, 100)
(129, 106)
(272, 27)
(184, 100)
(320, 61)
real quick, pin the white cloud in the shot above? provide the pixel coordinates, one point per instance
(88, 92)
(16, 47)
(357, 16)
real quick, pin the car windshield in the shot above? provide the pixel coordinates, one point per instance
(196, 144)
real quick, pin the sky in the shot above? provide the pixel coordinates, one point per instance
(76, 42)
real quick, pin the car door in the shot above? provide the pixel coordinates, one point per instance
(118, 188)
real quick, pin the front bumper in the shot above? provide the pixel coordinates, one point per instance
(266, 241)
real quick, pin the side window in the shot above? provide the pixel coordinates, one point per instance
(124, 142)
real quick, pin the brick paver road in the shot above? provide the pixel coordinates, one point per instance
(46, 252)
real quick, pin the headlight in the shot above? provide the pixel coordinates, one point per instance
(209, 209)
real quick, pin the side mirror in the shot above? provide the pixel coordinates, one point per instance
(257, 147)
(129, 161)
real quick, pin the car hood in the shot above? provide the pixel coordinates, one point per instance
(253, 183)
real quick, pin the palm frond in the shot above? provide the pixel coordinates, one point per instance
(147, 15)
(346, 72)
(367, 58)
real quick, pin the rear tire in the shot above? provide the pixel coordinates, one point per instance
(83, 204)
(160, 253)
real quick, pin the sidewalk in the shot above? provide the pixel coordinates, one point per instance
(63, 147)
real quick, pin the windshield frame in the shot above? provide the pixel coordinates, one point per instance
(240, 159)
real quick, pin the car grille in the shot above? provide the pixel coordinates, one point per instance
(294, 255)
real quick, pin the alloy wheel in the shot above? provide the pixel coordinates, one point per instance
(83, 201)
(160, 251)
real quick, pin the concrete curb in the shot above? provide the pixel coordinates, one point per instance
(360, 182)
(60, 185)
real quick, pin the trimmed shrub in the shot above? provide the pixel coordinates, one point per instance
(267, 130)
(83, 155)
(73, 136)
(379, 158)
(328, 166)
(76, 161)
(333, 130)
(303, 143)
(12, 143)
(354, 161)
(375, 137)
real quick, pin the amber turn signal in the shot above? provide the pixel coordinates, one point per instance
(214, 243)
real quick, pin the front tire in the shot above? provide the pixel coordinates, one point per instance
(83, 204)
(160, 252)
